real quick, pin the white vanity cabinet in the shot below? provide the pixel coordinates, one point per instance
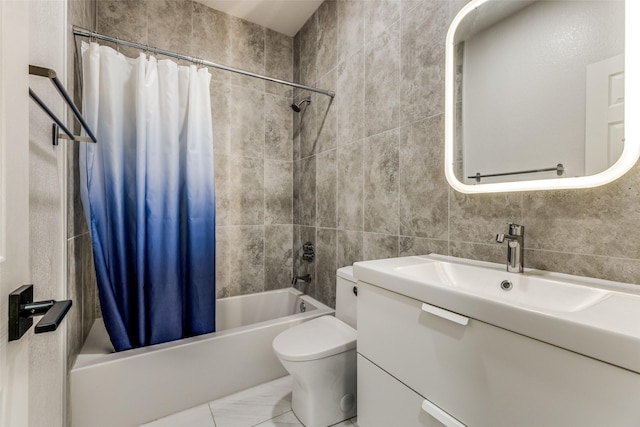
(419, 365)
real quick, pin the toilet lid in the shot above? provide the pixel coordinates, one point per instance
(315, 339)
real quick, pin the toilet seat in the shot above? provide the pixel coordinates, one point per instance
(315, 339)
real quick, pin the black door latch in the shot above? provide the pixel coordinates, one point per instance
(22, 309)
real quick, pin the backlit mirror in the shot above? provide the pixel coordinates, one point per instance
(539, 94)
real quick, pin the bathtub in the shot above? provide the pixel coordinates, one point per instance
(133, 387)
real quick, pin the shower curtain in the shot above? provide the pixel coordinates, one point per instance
(147, 189)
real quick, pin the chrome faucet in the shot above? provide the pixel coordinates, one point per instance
(515, 247)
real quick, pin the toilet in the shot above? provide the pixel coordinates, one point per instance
(320, 355)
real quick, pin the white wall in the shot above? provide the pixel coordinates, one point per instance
(47, 198)
(14, 203)
(524, 83)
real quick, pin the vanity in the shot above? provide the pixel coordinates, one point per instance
(456, 342)
(538, 96)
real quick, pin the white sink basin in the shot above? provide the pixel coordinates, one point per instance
(537, 291)
(594, 317)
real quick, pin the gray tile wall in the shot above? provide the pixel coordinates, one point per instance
(253, 128)
(81, 281)
(360, 176)
(368, 166)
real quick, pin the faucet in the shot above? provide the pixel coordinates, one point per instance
(304, 280)
(515, 247)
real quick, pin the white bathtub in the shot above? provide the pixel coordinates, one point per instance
(137, 386)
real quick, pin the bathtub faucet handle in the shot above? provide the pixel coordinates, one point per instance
(308, 252)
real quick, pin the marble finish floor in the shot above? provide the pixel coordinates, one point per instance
(266, 405)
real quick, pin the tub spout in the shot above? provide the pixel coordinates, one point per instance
(301, 279)
(301, 282)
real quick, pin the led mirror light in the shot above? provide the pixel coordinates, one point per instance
(631, 150)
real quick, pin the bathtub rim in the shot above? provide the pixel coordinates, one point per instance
(107, 358)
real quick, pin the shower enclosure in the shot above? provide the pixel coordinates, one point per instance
(116, 326)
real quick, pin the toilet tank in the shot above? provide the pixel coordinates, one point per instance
(346, 304)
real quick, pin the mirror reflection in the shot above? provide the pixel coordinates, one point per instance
(540, 90)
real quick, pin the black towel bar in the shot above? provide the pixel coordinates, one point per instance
(52, 76)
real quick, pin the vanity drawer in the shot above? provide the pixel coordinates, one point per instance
(383, 401)
(487, 376)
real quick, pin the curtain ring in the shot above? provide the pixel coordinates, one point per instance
(118, 44)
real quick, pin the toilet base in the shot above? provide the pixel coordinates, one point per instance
(328, 394)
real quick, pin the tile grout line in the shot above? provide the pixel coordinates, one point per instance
(364, 137)
(273, 418)
(213, 418)
(399, 127)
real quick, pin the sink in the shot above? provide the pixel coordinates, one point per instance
(535, 290)
(595, 317)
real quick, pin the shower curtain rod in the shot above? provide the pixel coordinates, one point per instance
(79, 31)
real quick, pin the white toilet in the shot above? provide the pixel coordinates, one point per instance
(320, 355)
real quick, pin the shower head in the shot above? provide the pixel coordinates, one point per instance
(297, 107)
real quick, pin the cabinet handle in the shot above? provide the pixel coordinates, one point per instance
(445, 314)
(440, 415)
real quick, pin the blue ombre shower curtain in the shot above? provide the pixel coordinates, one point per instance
(147, 189)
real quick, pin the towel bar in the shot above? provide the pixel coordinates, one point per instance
(52, 76)
(559, 168)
